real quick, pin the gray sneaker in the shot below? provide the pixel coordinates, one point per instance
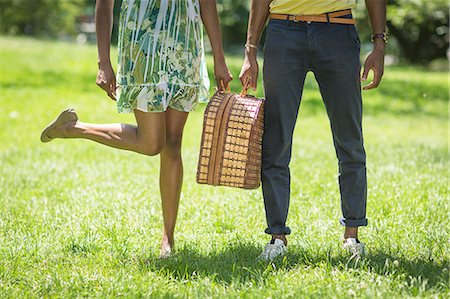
(354, 247)
(273, 249)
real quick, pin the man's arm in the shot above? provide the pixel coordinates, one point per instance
(259, 12)
(375, 60)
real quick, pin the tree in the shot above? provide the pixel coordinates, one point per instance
(420, 28)
(89, 5)
(39, 17)
(233, 20)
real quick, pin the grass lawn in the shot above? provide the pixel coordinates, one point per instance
(79, 219)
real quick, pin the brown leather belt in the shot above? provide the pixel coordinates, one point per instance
(332, 17)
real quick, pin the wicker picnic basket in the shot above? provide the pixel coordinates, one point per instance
(230, 153)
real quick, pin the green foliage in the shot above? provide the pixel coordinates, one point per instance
(81, 220)
(39, 17)
(418, 28)
(233, 20)
(421, 28)
(89, 6)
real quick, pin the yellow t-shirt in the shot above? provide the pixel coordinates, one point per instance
(309, 7)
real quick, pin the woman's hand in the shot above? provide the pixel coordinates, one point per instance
(103, 25)
(106, 79)
(208, 12)
(222, 75)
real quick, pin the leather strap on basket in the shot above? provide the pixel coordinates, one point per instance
(211, 179)
(224, 119)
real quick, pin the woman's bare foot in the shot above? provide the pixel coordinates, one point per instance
(166, 248)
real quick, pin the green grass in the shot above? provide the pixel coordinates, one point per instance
(78, 219)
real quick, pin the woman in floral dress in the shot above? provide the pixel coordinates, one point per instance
(161, 77)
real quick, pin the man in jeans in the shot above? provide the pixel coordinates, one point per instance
(317, 36)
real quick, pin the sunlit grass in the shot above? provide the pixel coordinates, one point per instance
(79, 219)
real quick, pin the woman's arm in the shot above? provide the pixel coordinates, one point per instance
(106, 78)
(208, 11)
(259, 12)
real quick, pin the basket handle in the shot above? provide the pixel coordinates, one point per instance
(244, 90)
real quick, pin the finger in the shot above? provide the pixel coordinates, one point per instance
(229, 78)
(368, 86)
(222, 86)
(243, 81)
(245, 86)
(250, 82)
(371, 85)
(254, 82)
(243, 78)
(376, 78)
(113, 86)
(217, 84)
(247, 83)
(374, 83)
(244, 75)
(109, 90)
(365, 73)
(111, 96)
(113, 91)
(378, 74)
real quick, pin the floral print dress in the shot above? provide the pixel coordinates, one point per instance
(161, 56)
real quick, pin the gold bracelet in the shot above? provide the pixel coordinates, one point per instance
(251, 46)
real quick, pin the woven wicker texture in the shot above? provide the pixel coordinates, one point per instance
(230, 153)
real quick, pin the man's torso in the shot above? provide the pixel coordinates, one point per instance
(309, 7)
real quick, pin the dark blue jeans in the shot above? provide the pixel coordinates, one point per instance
(331, 52)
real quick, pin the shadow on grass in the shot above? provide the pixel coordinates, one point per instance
(394, 97)
(389, 106)
(239, 264)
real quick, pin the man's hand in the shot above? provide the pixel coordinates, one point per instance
(106, 80)
(374, 62)
(249, 72)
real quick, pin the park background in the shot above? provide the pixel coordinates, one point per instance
(81, 220)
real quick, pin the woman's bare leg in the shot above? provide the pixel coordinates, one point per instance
(148, 137)
(171, 175)
(155, 133)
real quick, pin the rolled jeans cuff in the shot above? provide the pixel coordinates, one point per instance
(353, 222)
(278, 230)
